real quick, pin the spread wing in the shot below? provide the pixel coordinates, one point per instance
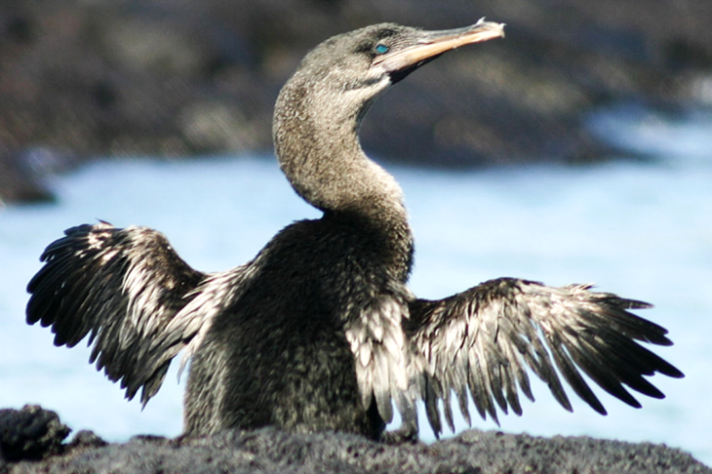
(124, 288)
(486, 338)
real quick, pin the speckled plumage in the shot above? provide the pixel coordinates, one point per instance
(319, 331)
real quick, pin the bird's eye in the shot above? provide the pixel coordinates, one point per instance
(382, 48)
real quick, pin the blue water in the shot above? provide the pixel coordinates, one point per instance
(643, 230)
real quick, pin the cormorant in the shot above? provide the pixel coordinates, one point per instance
(319, 331)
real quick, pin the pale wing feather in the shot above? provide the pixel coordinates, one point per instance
(485, 339)
(376, 338)
(123, 288)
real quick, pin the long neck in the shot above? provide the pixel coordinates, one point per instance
(316, 141)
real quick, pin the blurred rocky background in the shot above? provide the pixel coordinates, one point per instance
(82, 79)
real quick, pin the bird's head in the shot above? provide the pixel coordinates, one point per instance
(320, 109)
(368, 60)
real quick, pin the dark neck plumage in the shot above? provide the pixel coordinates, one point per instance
(316, 141)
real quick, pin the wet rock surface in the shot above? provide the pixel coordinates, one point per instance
(31, 440)
(186, 78)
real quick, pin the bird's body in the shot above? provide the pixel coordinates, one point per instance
(282, 354)
(319, 331)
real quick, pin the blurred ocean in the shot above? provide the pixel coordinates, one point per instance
(642, 229)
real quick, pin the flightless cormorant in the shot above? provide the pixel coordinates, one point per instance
(319, 331)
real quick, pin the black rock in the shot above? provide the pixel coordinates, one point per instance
(30, 433)
(271, 451)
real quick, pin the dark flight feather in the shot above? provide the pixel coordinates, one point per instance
(121, 287)
(505, 325)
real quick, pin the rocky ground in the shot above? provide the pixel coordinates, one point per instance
(31, 441)
(80, 79)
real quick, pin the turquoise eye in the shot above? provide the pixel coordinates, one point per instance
(382, 48)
